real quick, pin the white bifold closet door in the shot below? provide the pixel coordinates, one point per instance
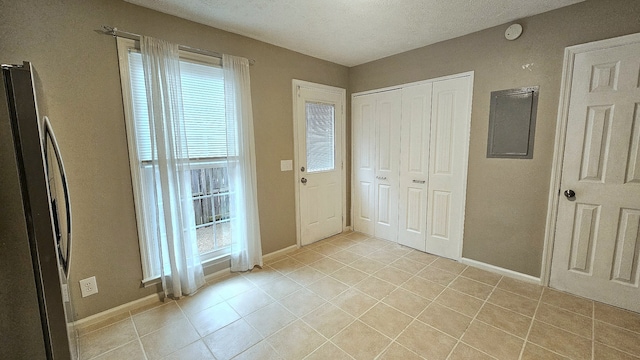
(410, 154)
(376, 141)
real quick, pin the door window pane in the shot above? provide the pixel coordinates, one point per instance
(320, 136)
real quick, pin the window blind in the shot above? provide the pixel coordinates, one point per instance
(203, 108)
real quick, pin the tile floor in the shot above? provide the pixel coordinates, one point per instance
(353, 297)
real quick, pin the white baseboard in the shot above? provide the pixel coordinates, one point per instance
(502, 271)
(278, 253)
(118, 310)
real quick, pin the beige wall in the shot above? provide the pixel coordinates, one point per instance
(79, 73)
(507, 199)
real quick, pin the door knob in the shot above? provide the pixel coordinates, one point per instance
(303, 180)
(569, 194)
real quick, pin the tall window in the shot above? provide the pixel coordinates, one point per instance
(204, 117)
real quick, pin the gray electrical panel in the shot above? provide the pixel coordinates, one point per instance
(512, 123)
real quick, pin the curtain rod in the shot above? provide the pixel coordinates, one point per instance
(110, 30)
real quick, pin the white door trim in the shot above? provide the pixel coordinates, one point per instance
(401, 86)
(343, 94)
(560, 141)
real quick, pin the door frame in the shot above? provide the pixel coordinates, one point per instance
(343, 145)
(560, 141)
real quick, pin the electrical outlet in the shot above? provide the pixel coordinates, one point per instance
(88, 286)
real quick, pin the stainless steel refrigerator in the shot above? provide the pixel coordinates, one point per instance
(36, 318)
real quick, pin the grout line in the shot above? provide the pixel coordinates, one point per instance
(533, 320)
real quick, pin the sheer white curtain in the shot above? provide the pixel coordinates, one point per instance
(180, 262)
(246, 249)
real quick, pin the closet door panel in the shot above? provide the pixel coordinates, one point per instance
(448, 157)
(414, 165)
(363, 128)
(387, 128)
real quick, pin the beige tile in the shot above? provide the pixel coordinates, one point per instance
(354, 301)
(483, 276)
(522, 288)
(362, 249)
(361, 341)
(327, 288)
(286, 265)
(168, 339)
(398, 250)
(603, 352)
(327, 265)
(328, 249)
(232, 286)
(106, 338)
(408, 265)
(261, 350)
(129, 351)
(213, 318)
(393, 275)
(328, 351)
(195, 351)
(565, 320)
(426, 341)
(154, 319)
(449, 265)
(492, 341)
(459, 302)
(406, 301)
(232, 339)
(378, 243)
(349, 275)
(383, 256)
(422, 287)
(513, 302)
(437, 276)
(262, 276)
(504, 319)
(471, 287)
(535, 352)
(280, 288)
(466, 352)
(302, 302)
(375, 287)
(386, 320)
(270, 319)
(328, 319)
(305, 275)
(357, 236)
(367, 265)
(250, 301)
(396, 351)
(559, 341)
(346, 256)
(204, 298)
(569, 302)
(420, 257)
(445, 320)
(342, 242)
(296, 341)
(618, 317)
(619, 338)
(307, 257)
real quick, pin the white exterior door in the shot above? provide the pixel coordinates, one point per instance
(387, 156)
(319, 121)
(414, 165)
(597, 240)
(448, 158)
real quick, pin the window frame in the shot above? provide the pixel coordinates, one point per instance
(141, 201)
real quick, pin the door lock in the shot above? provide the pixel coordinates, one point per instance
(302, 169)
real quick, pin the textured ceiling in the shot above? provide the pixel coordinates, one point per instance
(352, 32)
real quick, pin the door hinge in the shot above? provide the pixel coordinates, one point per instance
(342, 109)
(298, 90)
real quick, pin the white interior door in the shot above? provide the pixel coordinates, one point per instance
(448, 158)
(319, 123)
(363, 163)
(387, 155)
(414, 165)
(597, 240)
